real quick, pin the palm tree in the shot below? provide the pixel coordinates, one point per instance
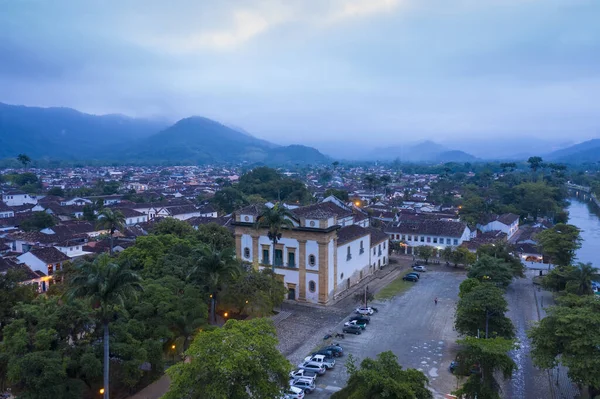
(24, 159)
(582, 278)
(111, 220)
(274, 219)
(106, 285)
(212, 270)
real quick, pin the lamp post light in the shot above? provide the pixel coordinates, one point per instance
(173, 349)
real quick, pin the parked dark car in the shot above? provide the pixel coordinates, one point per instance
(418, 275)
(352, 330)
(335, 349)
(324, 352)
(366, 319)
(410, 277)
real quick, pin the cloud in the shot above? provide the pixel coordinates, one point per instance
(238, 25)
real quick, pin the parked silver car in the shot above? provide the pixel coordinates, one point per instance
(312, 366)
(305, 384)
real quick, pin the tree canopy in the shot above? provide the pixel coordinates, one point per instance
(239, 360)
(559, 243)
(482, 310)
(483, 359)
(384, 378)
(570, 334)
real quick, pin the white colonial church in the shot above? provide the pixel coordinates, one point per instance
(330, 248)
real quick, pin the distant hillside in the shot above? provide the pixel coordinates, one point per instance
(64, 133)
(588, 151)
(426, 151)
(454, 156)
(201, 140)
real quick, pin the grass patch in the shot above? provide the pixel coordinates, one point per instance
(394, 288)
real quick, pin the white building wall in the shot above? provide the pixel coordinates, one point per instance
(247, 243)
(351, 268)
(330, 261)
(312, 296)
(18, 199)
(33, 262)
(312, 248)
(380, 260)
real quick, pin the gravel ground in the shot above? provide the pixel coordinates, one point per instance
(419, 332)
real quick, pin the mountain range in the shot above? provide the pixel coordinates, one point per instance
(425, 151)
(67, 134)
(64, 133)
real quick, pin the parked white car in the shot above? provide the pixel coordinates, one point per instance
(293, 393)
(419, 268)
(368, 311)
(301, 373)
(312, 366)
(327, 362)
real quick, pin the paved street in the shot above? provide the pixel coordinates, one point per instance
(528, 381)
(419, 332)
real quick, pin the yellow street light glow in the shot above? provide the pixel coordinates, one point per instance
(246, 301)
(172, 346)
(225, 314)
(101, 391)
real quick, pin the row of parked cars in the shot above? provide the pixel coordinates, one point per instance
(302, 379)
(414, 276)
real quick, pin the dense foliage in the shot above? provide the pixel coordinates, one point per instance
(267, 184)
(570, 334)
(63, 335)
(384, 378)
(240, 360)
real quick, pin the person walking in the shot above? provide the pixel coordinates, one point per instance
(435, 300)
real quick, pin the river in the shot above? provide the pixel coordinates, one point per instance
(585, 215)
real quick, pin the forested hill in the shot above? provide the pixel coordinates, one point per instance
(67, 134)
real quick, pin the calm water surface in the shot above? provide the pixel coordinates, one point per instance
(586, 216)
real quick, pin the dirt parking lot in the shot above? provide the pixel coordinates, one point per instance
(411, 325)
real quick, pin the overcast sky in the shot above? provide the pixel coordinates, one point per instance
(315, 70)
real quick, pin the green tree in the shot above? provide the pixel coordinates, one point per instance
(253, 293)
(111, 221)
(24, 159)
(105, 285)
(535, 163)
(275, 220)
(216, 236)
(570, 335)
(340, 194)
(560, 243)
(384, 378)
(502, 251)
(467, 286)
(581, 277)
(11, 293)
(229, 199)
(254, 367)
(89, 213)
(557, 279)
(273, 186)
(213, 269)
(37, 221)
(173, 226)
(56, 191)
(425, 252)
(371, 182)
(489, 357)
(446, 254)
(481, 312)
(463, 255)
(492, 270)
